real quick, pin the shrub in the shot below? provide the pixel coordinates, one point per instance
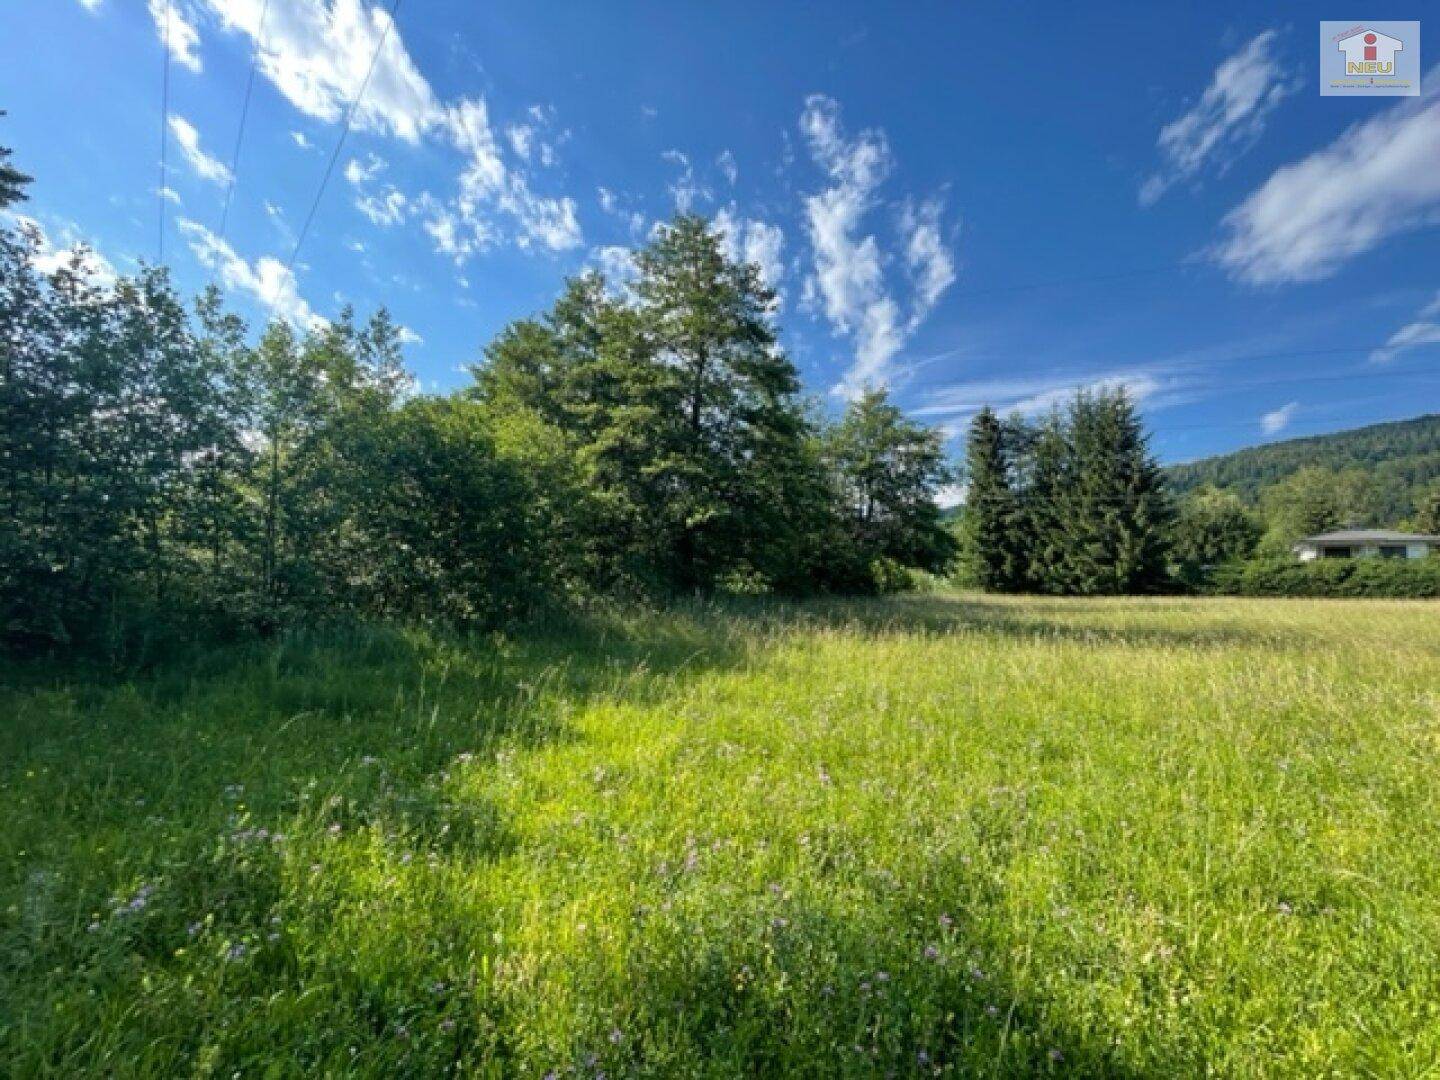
(1371, 577)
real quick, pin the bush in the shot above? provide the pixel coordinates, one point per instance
(1366, 577)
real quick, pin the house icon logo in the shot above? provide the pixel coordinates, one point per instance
(1370, 59)
(1369, 52)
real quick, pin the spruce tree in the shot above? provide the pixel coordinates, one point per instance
(992, 520)
(1043, 457)
(1115, 513)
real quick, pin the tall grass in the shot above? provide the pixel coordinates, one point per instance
(913, 837)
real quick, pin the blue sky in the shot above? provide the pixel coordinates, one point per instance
(970, 206)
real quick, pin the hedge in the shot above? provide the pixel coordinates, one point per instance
(1364, 577)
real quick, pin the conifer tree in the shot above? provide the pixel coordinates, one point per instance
(993, 523)
(12, 181)
(1115, 514)
(741, 426)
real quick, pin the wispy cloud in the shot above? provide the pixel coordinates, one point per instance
(1033, 395)
(205, 166)
(728, 167)
(487, 184)
(268, 280)
(686, 190)
(848, 278)
(1378, 179)
(753, 241)
(1228, 118)
(174, 28)
(1423, 329)
(1277, 420)
(91, 6)
(930, 263)
(384, 204)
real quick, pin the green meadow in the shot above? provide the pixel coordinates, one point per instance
(930, 835)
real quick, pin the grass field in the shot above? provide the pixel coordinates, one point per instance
(919, 836)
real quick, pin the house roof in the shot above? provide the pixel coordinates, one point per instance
(1370, 536)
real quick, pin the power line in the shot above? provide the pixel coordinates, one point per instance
(164, 139)
(244, 115)
(340, 142)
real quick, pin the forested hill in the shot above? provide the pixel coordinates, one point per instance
(1401, 459)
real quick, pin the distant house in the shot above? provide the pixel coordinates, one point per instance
(1363, 543)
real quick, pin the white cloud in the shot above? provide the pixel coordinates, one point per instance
(1277, 420)
(1228, 118)
(386, 207)
(358, 172)
(751, 241)
(56, 252)
(302, 140)
(522, 138)
(205, 166)
(268, 281)
(277, 218)
(383, 209)
(316, 53)
(686, 191)
(1379, 178)
(406, 336)
(486, 184)
(169, 194)
(610, 202)
(931, 266)
(1423, 329)
(727, 164)
(1034, 395)
(91, 6)
(454, 239)
(183, 38)
(848, 280)
(617, 263)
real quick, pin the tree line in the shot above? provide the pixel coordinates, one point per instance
(1074, 504)
(1070, 504)
(161, 465)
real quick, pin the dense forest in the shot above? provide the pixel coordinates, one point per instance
(1392, 468)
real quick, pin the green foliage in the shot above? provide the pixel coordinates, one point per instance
(1315, 500)
(452, 529)
(1074, 506)
(159, 469)
(994, 531)
(1427, 516)
(1213, 528)
(12, 181)
(1368, 577)
(1400, 462)
(1170, 838)
(888, 470)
